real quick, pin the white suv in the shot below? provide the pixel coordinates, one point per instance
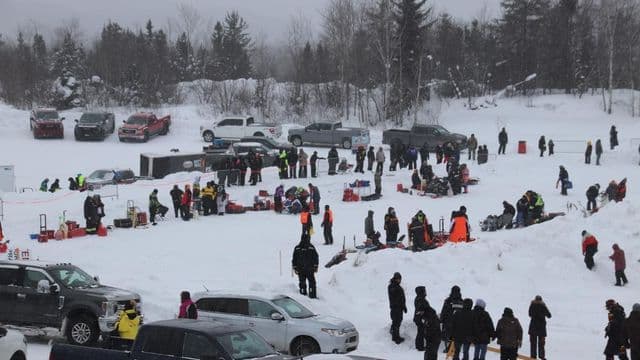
(285, 323)
(13, 345)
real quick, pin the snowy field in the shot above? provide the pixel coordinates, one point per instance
(243, 252)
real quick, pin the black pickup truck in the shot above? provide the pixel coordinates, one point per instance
(432, 135)
(180, 339)
(60, 296)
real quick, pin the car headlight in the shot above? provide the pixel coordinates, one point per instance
(334, 332)
(109, 308)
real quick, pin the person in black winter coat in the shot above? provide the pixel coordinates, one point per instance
(592, 194)
(176, 198)
(73, 185)
(598, 151)
(391, 226)
(616, 338)
(424, 153)
(420, 304)
(90, 215)
(371, 158)
(613, 137)
(292, 159)
(523, 209)
(397, 305)
(426, 171)
(361, 155)
(55, 186)
(451, 305)
(432, 333)
(462, 330)
(563, 180)
(551, 147)
(538, 312)
(632, 329)
(508, 213)
(587, 153)
(483, 330)
(333, 159)
(502, 140)
(314, 193)
(415, 180)
(439, 154)
(305, 265)
(416, 234)
(542, 145)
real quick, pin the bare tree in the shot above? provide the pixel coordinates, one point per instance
(299, 33)
(380, 19)
(340, 23)
(189, 20)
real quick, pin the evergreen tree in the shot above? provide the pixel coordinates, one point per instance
(307, 73)
(68, 66)
(236, 47)
(411, 17)
(184, 63)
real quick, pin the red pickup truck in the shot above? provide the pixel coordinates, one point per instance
(46, 123)
(142, 126)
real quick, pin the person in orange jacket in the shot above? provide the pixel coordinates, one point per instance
(589, 248)
(305, 220)
(459, 231)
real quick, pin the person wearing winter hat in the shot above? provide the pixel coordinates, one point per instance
(483, 330)
(632, 327)
(451, 305)
(589, 248)
(420, 304)
(509, 335)
(538, 312)
(462, 330)
(619, 262)
(397, 305)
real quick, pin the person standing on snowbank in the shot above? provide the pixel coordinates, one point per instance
(620, 265)
(397, 305)
(176, 199)
(592, 194)
(538, 312)
(502, 140)
(613, 137)
(589, 248)
(305, 265)
(327, 225)
(563, 180)
(472, 145)
(587, 153)
(632, 327)
(598, 151)
(391, 226)
(509, 335)
(483, 330)
(371, 158)
(451, 305)
(462, 330)
(542, 145)
(420, 304)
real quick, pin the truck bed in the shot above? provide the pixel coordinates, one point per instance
(72, 352)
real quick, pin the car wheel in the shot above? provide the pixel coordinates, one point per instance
(304, 346)
(82, 330)
(121, 139)
(346, 144)
(165, 130)
(146, 136)
(208, 136)
(78, 137)
(296, 141)
(258, 134)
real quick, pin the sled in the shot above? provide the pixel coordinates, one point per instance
(496, 350)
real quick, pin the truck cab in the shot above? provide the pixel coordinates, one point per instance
(61, 296)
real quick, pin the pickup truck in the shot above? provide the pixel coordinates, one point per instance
(46, 123)
(61, 296)
(329, 134)
(237, 128)
(181, 339)
(432, 135)
(96, 125)
(13, 345)
(142, 126)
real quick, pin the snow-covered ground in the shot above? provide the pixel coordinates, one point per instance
(252, 251)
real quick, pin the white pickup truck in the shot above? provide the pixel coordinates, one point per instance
(237, 128)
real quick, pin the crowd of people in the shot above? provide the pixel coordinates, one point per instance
(77, 183)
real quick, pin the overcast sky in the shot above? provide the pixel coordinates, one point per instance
(267, 17)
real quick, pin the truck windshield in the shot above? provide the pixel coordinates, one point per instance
(137, 120)
(47, 115)
(101, 175)
(293, 308)
(245, 345)
(73, 278)
(91, 118)
(250, 121)
(441, 129)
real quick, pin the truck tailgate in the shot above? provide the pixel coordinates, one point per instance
(71, 352)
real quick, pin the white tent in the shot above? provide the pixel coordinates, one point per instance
(7, 178)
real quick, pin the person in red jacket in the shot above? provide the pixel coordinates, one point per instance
(185, 203)
(589, 248)
(620, 264)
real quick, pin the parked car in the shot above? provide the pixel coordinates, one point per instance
(94, 125)
(269, 143)
(269, 156)
(181, 339)
(143, 126)
(432, 135)
(329, 134)
(46, 123)
(61, 296)
(102, 177)
(13, 345)
(285, 323)
(238, 127)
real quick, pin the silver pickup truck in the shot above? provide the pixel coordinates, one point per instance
(329, 134)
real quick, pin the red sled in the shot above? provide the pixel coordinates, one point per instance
(79, 232)
(399, 188)
(141, 219)
(102, 231)
(43, 238)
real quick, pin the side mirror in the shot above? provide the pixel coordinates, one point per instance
(62, 118)
(76, 120)
(54, 289)
(124, 121)
(276, 316)
(3, 332)
(97, 279)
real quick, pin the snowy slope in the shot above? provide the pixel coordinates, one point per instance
(244, 252)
